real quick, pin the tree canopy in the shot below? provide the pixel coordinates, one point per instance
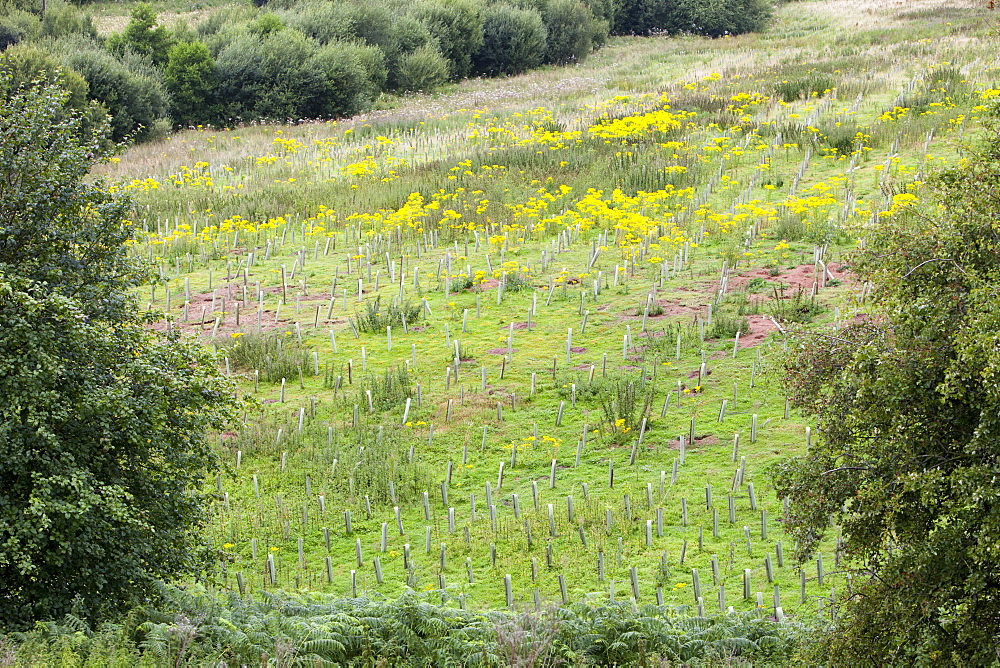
(908, 404)
(102, 425)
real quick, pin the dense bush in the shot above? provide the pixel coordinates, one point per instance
(102, 424)
(571, 30)
(130, 88)
(423, 69)
(716, 18)
(513, 41)
(270, 76)
(62, 19)
(457, 25)
(191, 79)
(18, 26)
(322, 20)
(713, 18)
(355, 75)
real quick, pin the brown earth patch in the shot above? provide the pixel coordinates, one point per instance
(801, 277)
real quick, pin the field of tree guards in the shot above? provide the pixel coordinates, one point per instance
(513, 362)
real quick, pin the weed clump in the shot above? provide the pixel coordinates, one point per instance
(275, 355)
(376, 318)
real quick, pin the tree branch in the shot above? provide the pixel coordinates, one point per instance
(847, 468)
(936, 259)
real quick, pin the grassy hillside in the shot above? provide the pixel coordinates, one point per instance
(521, 341)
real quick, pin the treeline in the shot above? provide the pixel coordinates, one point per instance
(197, 629)
(300, 59)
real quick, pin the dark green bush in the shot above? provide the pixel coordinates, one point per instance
(26, 63)
(396, 34)
(190, 77)
(62, 19)
(457, 25)
(225, 19)
(716, 18)
(713, 18)
(270, 77)
(643, 17)
(514, 41)
(354, 76)
(130, 88)
(323, 21)
(571, 29)
(18, 26)
(422, 70)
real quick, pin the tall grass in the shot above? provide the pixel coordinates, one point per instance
(276, 355)
(376, 317)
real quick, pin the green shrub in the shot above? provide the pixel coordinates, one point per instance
(224, 19)
(269, 77)
(797, 307)
(143, 36)
(713, 18)
(513, 41)
(716, 18)
(191, 80)
(623, 405)
(26, 63)
(571, 28)
(266, 23)
(323, 21)
(388, 389)
(62, 19)
(274, 354)
(130, 88)
(376, 317)
(457, 25)
(396, 34)
(354, 75)
(18, 26)
(422, 70)
(644, 17)
(726, 325)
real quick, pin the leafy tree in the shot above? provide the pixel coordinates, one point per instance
(571, 28)
(458, 27)
(908, 406)
(102, 448)
(191, 80)
(143, 36)
(273, 77)
(513, 40)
